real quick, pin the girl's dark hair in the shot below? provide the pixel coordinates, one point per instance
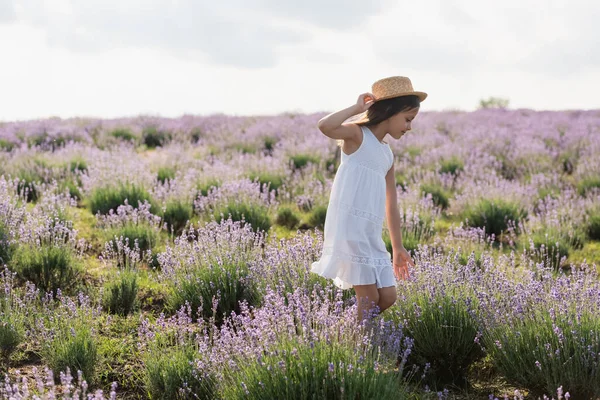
(384, 109)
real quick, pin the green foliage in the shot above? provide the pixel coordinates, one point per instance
(229, 281)
(587, 184)
(556, 244)
(286, 217)
(74, 348)
(124, 134)
(78, 164)
(256, 215)
(12, 331)
(146, 235)
(153, 137)
(120, 296)
(72, 187)
(444, 332)
(165, 173)
(273, 181)
(439, 196)
(27, 186)
(315, 370)
(169, 370)
(49, 267)
(269, 143)
(493, 215)
(6, 145)
(6, 247)
(317, 217)
(301, 160)
(494, 102)
(205, 187)
(104, 199)
(176, 215)
(542, 353)
(593, 227)
(453, 165)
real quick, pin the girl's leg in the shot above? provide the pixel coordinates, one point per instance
(367, 297)
(387, 297)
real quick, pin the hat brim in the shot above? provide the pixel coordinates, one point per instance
(421, 95)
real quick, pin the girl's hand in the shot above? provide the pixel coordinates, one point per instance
(401, 261)
(365, 101)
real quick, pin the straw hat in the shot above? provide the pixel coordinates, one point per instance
(394, 86)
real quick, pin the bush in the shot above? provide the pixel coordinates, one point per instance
(556, 246)
(286, 217)
(317, 217)
(48, 267)
(124, 134)
(229, 281)
(121, 293)
(146, 235)
(444, 333)
(438, 195)
(204, 188)
(74, 349)
(301, 160)
(153, 137)
(72, 187)
(255, 215)
(453, 166)
(587, 184)
(273, 181)
(27, 186)
(165, 173)
(176, 215)
(593, 227)
(317, 370)
(543, 353)
(78, 164)
(104, 199)
(169, 370)
(12, 331)
(6, 247)
(493, 215)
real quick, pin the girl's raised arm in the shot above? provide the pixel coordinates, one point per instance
(332, 124)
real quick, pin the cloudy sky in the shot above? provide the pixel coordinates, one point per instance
(113, 58)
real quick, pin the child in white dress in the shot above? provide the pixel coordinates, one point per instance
(364, 193)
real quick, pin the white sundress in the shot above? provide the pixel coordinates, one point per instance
(354, 252)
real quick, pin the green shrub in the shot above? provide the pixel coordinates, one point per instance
(12, 331)
(146, 235)
(120, 295)
(204, 188)
(556, 246)
(453, 165)
(78, 164)
(153, 137)
(493, 215)
(438, 195)
(48, 267)
(104, 199)
(593, 227)
(273, 181)
(317, 217)
(6, 247)
(165, 173)
(286, 217)
(269, 143)
(75, 349)
(168, 370)
(6, 145)
(199, 286)
(124, 134)
(444, 333)
(542, 353)
(587, 184)
(315, 370)
(301, 160)
(256, 215)
(176, 215)
(27, 186)
(72, 187)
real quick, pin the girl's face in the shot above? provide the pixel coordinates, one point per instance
(400, 123)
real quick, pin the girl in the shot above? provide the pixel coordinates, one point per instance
(354, 253)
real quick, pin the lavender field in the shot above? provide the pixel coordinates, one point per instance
(169, 258)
